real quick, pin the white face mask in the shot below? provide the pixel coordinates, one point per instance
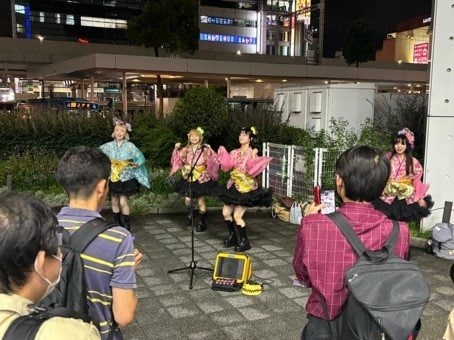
(51, 286)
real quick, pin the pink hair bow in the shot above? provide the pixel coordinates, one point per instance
(410, 136)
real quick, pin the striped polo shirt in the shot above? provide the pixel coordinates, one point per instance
(108, 261)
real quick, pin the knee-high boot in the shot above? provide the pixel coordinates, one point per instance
(117, 218)
(230, 241)
(126, 223)
(201, 226)
(243, 242)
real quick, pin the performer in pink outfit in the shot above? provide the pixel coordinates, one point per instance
(242, 188)
(202, 160)
(405, 196)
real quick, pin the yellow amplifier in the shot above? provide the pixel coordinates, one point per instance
(231, 271)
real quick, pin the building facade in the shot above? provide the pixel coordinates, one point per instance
(272, 27)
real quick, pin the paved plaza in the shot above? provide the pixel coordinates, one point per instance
(168, 309)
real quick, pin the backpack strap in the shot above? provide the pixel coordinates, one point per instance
(26, 327)
(87, 233)
(356, 243)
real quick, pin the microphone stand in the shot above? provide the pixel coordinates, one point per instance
(193, 264)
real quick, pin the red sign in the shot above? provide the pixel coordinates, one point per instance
(421, 53)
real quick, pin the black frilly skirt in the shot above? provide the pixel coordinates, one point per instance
(196, 189)
(259, 197)
(401, 211)
(126, 188)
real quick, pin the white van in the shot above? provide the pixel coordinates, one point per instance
(7, 98)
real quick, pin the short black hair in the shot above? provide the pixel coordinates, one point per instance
(364, 171)
(80, 170)
(27, 225)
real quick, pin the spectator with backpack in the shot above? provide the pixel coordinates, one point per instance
(30, 268)
(110, 259)
(322, 253)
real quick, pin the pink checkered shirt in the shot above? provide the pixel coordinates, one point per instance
(323, 255)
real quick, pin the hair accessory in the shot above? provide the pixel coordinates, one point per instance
(254, 130)
(117, 121)
(409, 135)
(200, 130)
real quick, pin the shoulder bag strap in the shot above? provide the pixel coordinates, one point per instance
(87, 233)
(24, 327)
(391, 243)
(356, 243)
(348, 232)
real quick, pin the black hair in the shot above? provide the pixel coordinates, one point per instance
(80, 170)
(250, 132)
(408, 153)
(27, 226)
(364, 171)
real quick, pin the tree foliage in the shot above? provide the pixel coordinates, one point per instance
(168, 24)
(202, 107)
(359, 44)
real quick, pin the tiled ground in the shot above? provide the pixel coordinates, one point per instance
(168, 309)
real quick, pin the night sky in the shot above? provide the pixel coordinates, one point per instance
(383, 15)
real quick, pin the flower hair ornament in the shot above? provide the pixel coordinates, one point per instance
(200, 130)
(117, 121)
(254, 130)
(409, 135)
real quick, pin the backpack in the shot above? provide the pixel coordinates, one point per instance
(443, 240)
(71, 291)
(387, 294)
(26, 327)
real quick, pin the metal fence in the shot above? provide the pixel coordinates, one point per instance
(294, 170)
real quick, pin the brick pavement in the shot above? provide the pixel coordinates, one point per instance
(168, 309)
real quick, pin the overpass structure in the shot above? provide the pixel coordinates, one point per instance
(56, 60)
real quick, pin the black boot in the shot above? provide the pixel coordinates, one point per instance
(117, 218)
(126, 223)
(243, 242)
(188, 216)
(230, 241)
(201, 226)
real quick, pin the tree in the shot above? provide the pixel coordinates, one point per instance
(168, 24)
(359, 44)
(202, 107)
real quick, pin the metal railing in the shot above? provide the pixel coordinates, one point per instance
(295, 170)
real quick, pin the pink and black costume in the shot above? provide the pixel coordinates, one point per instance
(242, 187)
(404, 188)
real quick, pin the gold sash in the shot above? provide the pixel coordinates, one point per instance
(243, 182)
(197, 172)
(402, 188)
(116, 168)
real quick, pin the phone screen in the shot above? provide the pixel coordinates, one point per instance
(328, 198)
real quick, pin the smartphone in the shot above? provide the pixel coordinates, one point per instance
(317, 195)
(328, 198)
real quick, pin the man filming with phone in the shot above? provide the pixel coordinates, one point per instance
(323, 255)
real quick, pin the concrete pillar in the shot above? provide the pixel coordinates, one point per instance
(82, 89)
(229, 87)
(125, 94)
(205, 83)
(439, 160)
(92, 86)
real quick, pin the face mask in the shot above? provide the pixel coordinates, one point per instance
(51, 286)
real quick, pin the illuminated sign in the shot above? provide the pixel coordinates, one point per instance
(82, 105)
(232, 39)
(216, 20)
(421, 53)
